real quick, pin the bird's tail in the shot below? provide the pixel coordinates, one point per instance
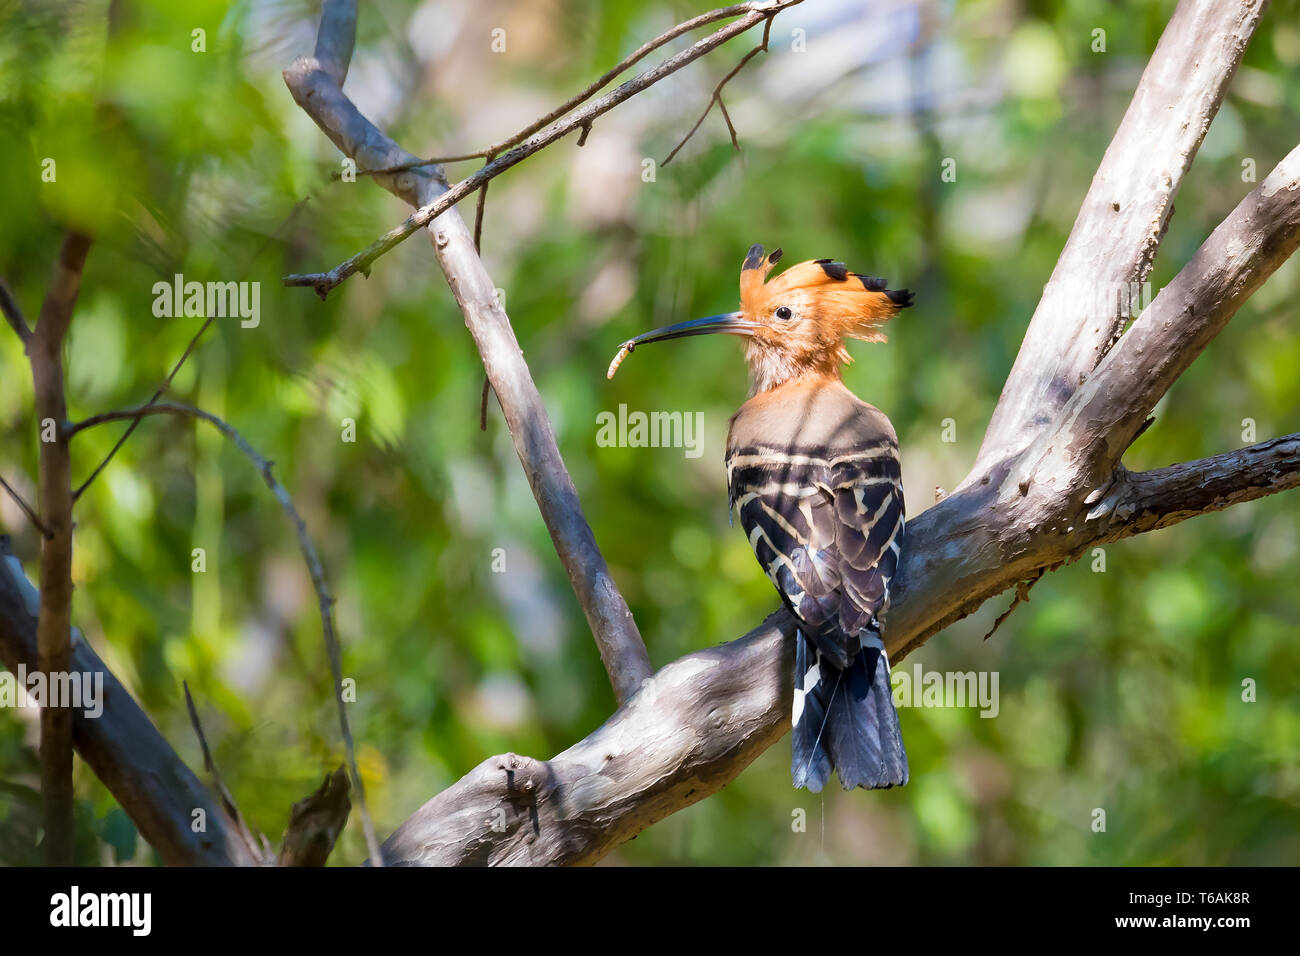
(845, 719)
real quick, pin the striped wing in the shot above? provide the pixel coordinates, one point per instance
(827, 531)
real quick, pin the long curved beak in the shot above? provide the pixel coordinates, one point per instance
(730, 323)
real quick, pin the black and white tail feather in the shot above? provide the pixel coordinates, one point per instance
(844, 720)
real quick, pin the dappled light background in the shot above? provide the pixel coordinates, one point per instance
(1120, 682)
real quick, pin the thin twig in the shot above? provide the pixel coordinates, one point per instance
(314, 567)
(722, 13)
(717, 96)
(478, 219)
(324, 282)
(158, 393)
(731, 127)
(9, 305)
(478, 247)
(1022, 597)
(413, 164)
(29, 511)
(483, 404)
(418, 163)
(210, 765)
(189, 349)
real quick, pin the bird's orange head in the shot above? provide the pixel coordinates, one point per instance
(795, 325)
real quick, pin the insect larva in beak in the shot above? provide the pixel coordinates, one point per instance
(624, 351)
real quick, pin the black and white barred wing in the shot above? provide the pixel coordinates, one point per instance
(786, 508)
(869, 521)
(826, 532)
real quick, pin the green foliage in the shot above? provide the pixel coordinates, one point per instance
(1119, 690)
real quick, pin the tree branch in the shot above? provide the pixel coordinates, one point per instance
(1150, 500)
(717, 96)
(210, 765)
(691, 729)
(324, 282)
(26, 508)
(335, 39)
(621, 649)
(44, 349)
(173, 811)
(14, 314)
(316, 822)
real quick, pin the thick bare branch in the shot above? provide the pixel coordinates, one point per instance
(699, 722)
(615, 632)
(1149, 500)
(581, 119)
(335, 39)
(988, 537)
(1047, 504)
(45, 351)
(1123, 218)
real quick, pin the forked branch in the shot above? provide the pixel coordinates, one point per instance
(1122, 220)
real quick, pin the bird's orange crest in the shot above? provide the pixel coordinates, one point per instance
(807, 311)
(842, 303)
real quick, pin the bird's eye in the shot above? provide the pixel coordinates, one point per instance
(784, 312)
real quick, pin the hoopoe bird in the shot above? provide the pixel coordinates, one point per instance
(814, 472)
